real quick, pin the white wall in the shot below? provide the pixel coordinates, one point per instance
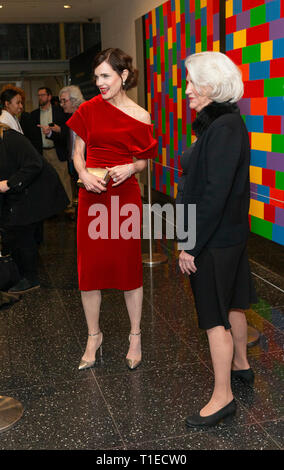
(118, 26)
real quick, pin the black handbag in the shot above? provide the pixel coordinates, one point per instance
(9, 273)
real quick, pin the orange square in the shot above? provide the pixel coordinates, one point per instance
(245, 72)
(258, 106)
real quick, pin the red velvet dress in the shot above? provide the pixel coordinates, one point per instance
(106, 258)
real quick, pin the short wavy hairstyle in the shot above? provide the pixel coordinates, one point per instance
(119, 61)
(217, 73)
(75, 95)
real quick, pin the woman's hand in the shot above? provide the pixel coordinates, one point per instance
(92, 183)
(3, 186)
(186, 263)
(121, 173)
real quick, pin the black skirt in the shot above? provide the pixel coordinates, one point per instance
(222, 283)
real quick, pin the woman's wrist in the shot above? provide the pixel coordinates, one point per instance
(131, 169)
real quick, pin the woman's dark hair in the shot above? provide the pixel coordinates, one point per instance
(119, 61)
(7, 95)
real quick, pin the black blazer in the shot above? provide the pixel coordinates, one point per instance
(217, 179)
(36, 192)
(60, 139)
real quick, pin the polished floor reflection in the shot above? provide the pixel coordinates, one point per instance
(42, 338)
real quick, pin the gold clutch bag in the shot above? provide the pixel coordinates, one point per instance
(99, 172)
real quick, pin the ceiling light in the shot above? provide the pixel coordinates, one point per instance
(67, 6)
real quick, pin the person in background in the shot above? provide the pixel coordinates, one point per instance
(216, 181)
(70, 98)
(49, 120)
(30, 191)
(11, 106)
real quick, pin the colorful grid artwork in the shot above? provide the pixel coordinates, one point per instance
(255, 41)
(173, 31)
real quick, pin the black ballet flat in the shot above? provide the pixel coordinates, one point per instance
(246, 376)
(225, 414)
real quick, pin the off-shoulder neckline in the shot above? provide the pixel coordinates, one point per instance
(125, 114)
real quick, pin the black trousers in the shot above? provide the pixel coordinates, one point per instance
(21, 243)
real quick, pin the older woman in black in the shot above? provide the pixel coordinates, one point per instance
(30, 191)
(216, 180)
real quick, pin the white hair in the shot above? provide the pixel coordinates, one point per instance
(75, 95)
(217, 73)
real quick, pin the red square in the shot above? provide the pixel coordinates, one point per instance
(276, 67)
(249, 4)
(236, 56)
(272, 124)
(269, 213)
(253, 89)
(277, 197)
(258, 34)
(268, 177)
(231, 24)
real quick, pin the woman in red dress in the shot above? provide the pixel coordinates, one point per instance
(112, 129)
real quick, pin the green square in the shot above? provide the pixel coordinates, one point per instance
(163, 120)
(261, 227)
(174, 53)
(203, 38)
(159, 59)
(251, 54)
(182, 6)
(277, 143)
(148, 48)
(187, 35)
(188, 135)
(171, 89)
(166, 57)
(172, 150)
(258, 15)
(279, 179)
(274, 86)
(197, 10)
(161, 18)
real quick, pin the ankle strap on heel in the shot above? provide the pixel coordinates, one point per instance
(135, 334)
(95, 334)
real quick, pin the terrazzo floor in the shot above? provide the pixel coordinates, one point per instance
(108, 407)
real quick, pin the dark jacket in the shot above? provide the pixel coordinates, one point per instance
(60, 139)
(217, 179)
(36, 192)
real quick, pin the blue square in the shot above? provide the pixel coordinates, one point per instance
(278, 234)
(278, 48)
(229, 42)
(258, 158)
(273, 10)
(259, 70)
(237, 7)
(275, 106)
(254, 123)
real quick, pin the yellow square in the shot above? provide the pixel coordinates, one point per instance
(178, 11)
(198, 47)
(261, 141)
(159, 83)
(256, 208)
(151, 56)
(255, 174)
(216, 46)
(203, 3)
(170, 38)
(229, 8)
(164, 155)
(154, 22)
(240, 39)
(149, 102)
(179, 103)
(266, 50)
